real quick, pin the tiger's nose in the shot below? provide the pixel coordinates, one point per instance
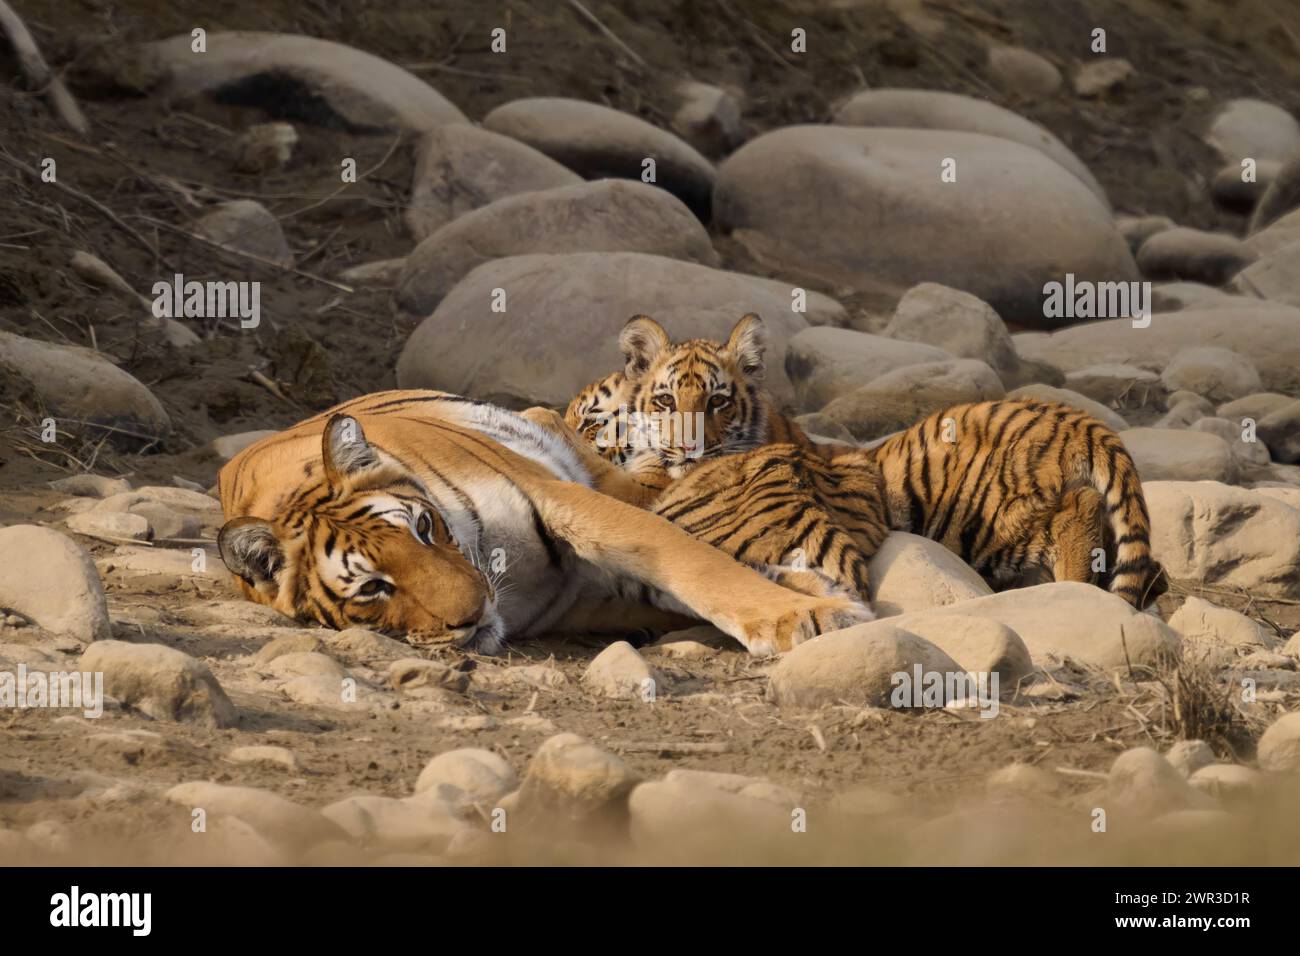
(470, 621)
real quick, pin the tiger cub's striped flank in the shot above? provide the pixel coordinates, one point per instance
(809, 524)
(1019, 489)
(1013, 486)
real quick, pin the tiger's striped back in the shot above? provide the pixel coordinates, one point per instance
(1016, 488)
(988, 480)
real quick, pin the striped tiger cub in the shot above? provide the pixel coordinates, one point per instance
(1019, 489)
(682, 402)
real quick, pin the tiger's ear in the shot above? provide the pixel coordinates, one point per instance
(345, 449)
(641, 340)
(251, 551)
(747, 345)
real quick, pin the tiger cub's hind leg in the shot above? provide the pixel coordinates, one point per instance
(1077, 532)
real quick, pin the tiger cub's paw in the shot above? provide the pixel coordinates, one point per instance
(774, 635)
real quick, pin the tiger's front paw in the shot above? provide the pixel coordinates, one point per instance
(789, 629)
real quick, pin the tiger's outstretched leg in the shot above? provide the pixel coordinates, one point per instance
(674, 570)
(639, 488)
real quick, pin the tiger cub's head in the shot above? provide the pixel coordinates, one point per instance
(364, 544)
(592, 411)
(696, 399)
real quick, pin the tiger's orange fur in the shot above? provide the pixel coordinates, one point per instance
(443, 519)
(1018, 489)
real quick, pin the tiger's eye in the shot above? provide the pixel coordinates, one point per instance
(424, 527)
(375, 587)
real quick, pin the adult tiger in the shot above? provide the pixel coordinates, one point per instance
(1018, 489)
(445, 519)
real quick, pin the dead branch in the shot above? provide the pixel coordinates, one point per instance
(38, 72)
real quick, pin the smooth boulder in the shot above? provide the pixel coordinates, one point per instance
(856, 664)
(869, 209)
(459, 168)
(1194, 255)
(81, 386)
(899, 399)
(596, 142)
(162, 682)
(50, 580)
(824, 363)
(957, 322)
(562, 316)
(939, 110)
(1253, 128)
(1070, 619)
(1169, 454)
(1219, 374)
(360, 89)
(1223, 536)
(610, 215)
(912, 573)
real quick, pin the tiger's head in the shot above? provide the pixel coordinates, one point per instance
(365, 545)
(696, 399)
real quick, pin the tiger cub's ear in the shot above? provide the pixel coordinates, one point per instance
(345, 449)
(641, 340)
(251, 550)
(747, 344)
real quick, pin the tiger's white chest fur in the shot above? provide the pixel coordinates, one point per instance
(522, 437)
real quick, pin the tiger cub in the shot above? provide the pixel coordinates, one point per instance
(682, 402)
(1018, 489)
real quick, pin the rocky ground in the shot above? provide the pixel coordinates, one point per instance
(230, 734)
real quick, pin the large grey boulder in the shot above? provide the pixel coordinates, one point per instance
(825, 363)
(957, 322)
(869, 209)
(48, 579)
(1216, 534)
(1253, 128)
(555, 326)
(935, 109)
(899, 399)
(597, 142)
(459, 168)
(610, 215)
